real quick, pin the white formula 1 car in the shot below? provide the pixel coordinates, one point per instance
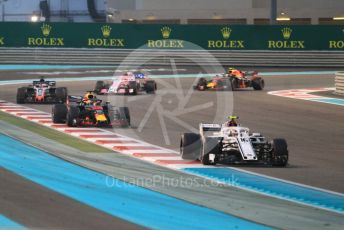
(126, 84)
(232, 145)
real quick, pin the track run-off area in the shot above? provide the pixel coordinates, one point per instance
(310, 185)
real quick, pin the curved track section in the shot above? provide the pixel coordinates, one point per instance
(313, 130)
(313, 161)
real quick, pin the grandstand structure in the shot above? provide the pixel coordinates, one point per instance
(242, 12)
(305, 12)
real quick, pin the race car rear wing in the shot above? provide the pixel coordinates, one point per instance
(210, 127)
(250, 73)
(75, 99)
(139, 75)
(50, 83)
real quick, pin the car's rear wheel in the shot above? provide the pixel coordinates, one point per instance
(61, 94)
(227, 84)
(99, 86)
(209, 146)
(21, 94)
(59, 112)
(279, 152)
(190, 146)
(258, 83)
(234, 83)
(150, 87)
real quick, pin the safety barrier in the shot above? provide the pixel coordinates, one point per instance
(339, 83)
(101, 56)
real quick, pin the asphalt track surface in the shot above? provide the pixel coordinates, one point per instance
(227, 199)
(37, 207)
(313, 130)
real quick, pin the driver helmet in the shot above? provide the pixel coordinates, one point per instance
(230, 69)
(232, 121)
(89, 96)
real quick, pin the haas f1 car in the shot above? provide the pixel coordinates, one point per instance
(233, 80)
(90, 111)
(232, 145)
(127, 84)
(42, 92)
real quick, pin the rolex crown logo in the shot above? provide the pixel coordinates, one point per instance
(226, 32)
(46, 29)
(166, 31)
(106, 31)
(286, 32)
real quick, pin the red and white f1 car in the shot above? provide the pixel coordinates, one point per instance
(41, 91)
(127, 84)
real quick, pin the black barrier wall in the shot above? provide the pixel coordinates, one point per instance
(211, 37)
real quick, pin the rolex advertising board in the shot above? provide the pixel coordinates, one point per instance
(211, 37)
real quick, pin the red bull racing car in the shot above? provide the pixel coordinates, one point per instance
(127, 84)
(90, 111)
(232, 80)
(41, 91)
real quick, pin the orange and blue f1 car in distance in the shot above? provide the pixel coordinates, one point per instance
(233, 80)
(41, 91)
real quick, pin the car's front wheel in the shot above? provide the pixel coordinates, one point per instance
(59, 112)
(72, 115)
(21, 94)
(279, 152)
(190, 146)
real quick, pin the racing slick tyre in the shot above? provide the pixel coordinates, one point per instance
(234, 83)
(202, 84)
(150, 87)
(279, 152)
(59, 113)
(227, 85)
(190, 146)
(258, 83)
(21, 94)
(124, 114)
(209, 146)
(133, 86)
(99, 86)
(72, 115)
(61, 94)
